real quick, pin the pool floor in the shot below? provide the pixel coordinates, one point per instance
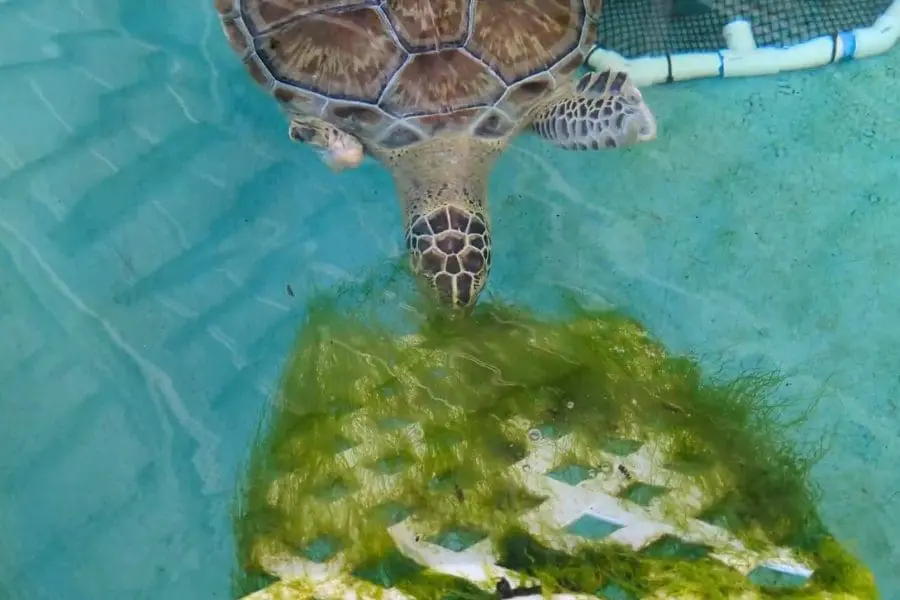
(154, 213)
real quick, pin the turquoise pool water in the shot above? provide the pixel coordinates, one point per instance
(154, 211)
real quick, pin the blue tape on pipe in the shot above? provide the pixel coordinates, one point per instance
(721, 64)
(848, 44)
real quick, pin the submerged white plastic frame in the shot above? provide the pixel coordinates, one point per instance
(743, 58)
(598, 497)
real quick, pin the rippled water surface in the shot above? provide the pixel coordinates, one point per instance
(153, 211)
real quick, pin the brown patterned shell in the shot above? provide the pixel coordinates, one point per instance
(396, 71)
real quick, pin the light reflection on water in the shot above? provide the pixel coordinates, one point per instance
(154, 212)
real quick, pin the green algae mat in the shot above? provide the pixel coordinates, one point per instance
(505, 455)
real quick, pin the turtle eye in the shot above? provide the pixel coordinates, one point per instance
(301, 133)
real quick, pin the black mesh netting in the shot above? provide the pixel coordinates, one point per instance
(641, 27)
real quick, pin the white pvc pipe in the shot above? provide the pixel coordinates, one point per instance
(739, 36)
(742, 57)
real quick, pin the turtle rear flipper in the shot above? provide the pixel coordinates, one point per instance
(603, 110)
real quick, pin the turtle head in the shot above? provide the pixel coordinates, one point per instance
(442, 183)
(450, 250)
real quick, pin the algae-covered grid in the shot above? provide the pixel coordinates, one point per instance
(372, 427)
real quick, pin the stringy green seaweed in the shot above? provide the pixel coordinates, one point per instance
(594, 374)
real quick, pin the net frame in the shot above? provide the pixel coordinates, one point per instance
(663, 41)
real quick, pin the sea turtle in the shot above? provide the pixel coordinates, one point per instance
(435, 90)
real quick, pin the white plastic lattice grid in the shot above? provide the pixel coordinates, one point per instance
(621, 504)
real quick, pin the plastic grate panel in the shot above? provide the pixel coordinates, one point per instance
(593, 504)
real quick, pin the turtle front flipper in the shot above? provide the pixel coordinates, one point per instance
(603, 110)
(340, 149)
